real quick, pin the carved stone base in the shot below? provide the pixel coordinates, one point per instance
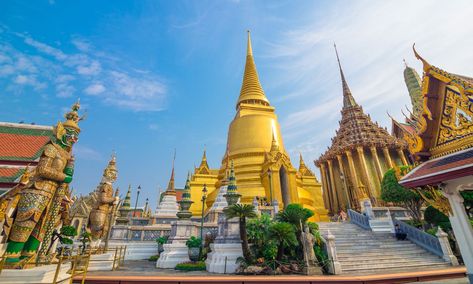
(313, 270)
(36, 275)
(172, 255)
(223, 257)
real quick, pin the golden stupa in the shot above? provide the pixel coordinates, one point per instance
(256, 147)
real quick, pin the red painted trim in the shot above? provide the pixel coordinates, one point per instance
(436, 179)
(18, 163)
(7, 184)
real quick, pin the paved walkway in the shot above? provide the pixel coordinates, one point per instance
(134, 272)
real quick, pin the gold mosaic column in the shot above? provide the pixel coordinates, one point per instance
(402, 156)
(377, 164)
(354, 176)
(326, 187)
(364, 166)
(344, 183)
(336, 203)
(388, 157)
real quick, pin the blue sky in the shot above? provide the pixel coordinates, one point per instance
(158, 75)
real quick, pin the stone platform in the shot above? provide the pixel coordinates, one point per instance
(36, 275)
(139, 272)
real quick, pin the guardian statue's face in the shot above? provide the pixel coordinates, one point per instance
(70, 137)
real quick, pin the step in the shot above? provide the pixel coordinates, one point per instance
(394, 270)
(387, 266)
(375, 245)
(393, 261)
(383, 256)
(352, 254)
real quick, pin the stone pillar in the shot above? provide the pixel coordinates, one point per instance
(354, 177)
(326, 187)
(336, 267)
(389, 161)
(377, 164)
(400, 152)
(364, 166)
(446, 249)
(336, 202)
(460, 222)
(344, 183)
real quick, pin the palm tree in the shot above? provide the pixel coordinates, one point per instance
(296, 215)
(283, 234)
(242, 211)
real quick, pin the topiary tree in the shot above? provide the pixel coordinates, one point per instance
(283, 235)
(437, 218)
(63, 236)
(392, 191)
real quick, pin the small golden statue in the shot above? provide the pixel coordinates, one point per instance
(99, 222)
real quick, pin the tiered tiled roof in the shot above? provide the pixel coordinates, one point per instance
(20, 145)
(22, 142)
(10, 174)
(356, 128)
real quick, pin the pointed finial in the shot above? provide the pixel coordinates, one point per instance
(204, 157)
(405, 63)
(426, 65)
(348, 100)
(249, 50)
(274, 143)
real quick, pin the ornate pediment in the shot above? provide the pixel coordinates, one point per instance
(445, 124)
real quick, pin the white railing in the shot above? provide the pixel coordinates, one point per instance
(359, 219)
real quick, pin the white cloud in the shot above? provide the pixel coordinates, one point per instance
(93, 68)
(86, 152)
(81, 44)
(93, 71)
(29, 80)
(95, 89)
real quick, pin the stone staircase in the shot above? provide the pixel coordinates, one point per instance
(361, 251)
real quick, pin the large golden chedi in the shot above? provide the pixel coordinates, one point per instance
(256, 147)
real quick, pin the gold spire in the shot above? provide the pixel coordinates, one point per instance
(348, 100)
(274, 144)
(170, 189)
(251, 91)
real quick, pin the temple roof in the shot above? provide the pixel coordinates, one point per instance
(23, 142)
(251, 91)
(356, 128)
(10, 174)
(435, 171)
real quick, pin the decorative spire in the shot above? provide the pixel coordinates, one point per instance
(232, 194)
(251, 91)
(203, 163)
(145, 210)
(170, 189)
(274, 144)
(414, 87)
(186, 201)
(348, 100)
(127, 201)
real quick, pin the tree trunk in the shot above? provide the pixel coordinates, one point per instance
(244, 240)
(280, 252)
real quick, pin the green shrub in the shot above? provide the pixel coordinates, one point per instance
(162, 240)
(194, 242)
(191, 266)
(437, 218)
(270, 251)
(432, 231)
(153, 258)
(69, 231)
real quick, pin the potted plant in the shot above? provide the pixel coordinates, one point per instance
(161, 241)
(194, 245)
